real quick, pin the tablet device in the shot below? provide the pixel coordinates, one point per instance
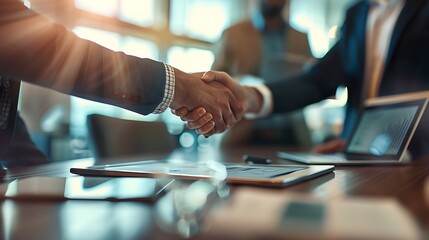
(381, 135)
(84, 188)
(255, 174)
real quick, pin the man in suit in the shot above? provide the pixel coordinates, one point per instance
(383, 50)
(248, 47)
(35, 50)
(267, 47)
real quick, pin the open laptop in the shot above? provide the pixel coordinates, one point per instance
(381, 136)
(256, 174)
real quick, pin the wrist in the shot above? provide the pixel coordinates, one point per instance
(168, 90)
(254, 100)
(179, 89)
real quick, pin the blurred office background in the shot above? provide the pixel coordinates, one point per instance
(179, 32)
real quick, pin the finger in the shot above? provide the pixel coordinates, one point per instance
(194, 115)
(220, 124)
(180, 111)
(228, 121)
(222, 113)
(210, 133)
(200, 122)
(237, 106)
(206, 128)
(234, 111)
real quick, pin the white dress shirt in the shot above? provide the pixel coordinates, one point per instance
(382, 17)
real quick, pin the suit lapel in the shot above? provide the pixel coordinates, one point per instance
(361, 35)
(407, 13)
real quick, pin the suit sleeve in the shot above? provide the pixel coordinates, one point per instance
(319, 83)
(35, 50)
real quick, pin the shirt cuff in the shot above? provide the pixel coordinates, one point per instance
(170, 82)
(267, 103)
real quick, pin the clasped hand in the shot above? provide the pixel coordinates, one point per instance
(210, 102)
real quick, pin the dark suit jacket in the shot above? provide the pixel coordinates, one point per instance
(35, 50)
(406, 68)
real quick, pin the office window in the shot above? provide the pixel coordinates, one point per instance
(139, 47)
(190, 59)
(106, 39)
(320, 19)
(104, 7)
(203, 19)
(139, 12)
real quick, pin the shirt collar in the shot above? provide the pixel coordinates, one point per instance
(385, 2)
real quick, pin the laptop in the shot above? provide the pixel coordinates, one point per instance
(381, 135)
(252, 174)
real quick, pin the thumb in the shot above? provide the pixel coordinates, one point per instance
(208, 76)
(198, 74)
(220, 77)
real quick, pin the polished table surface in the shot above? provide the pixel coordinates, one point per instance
(78, 219)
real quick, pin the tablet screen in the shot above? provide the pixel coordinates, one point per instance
(381, 132)
(385, 130)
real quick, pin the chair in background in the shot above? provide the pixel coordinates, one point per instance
(115, 138)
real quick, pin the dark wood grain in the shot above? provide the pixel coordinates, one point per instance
(131, 220)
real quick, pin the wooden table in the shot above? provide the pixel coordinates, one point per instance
(135, 220)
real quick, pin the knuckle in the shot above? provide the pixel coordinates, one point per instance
(217, 115)
(220, 127)
(201, 122)
(191, 116)
(224, 104)
(205, 130)
(240, 107)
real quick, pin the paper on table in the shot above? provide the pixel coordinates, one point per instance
(260, 214)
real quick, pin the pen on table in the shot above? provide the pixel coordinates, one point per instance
(256, 160)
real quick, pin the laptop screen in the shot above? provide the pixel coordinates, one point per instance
(384, 131)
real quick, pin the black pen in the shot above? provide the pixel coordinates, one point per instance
(256, 160)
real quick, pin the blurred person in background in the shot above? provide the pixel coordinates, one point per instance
(268, 48)
(383, 50)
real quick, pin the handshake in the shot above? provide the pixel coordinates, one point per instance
(212, 102)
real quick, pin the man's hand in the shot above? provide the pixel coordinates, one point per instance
(198, 119)
(223, 102)
(249, 101)
(335, 145)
